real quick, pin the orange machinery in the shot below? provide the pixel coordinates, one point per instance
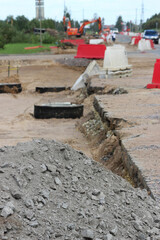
(79, 31)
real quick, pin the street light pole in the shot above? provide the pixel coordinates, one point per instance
(40, 17)
(40, 32)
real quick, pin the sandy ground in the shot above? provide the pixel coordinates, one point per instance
(16, 120)
(16, 116)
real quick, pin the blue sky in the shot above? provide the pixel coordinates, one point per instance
(109, 9)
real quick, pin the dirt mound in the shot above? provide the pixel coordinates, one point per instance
(50, 191)
(11, 79)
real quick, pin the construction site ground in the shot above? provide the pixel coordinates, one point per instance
(138, 110)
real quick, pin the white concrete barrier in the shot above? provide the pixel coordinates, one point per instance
(96, 41)
(116, 58)
(144, 45)
(92, 69)
(148, 44)
(109, 38)
(133, 41)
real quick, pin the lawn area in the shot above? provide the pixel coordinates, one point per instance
(18, 48)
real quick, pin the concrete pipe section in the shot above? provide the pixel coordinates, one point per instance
(58, 110)
(10, 88)
(51, 89)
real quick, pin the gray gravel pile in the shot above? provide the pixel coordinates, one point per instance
(74, 62)
(50, 191)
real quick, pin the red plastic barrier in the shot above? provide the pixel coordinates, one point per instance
(53, 47)
(137, 39)
(35, 47)
(75, 42)
(152, 44)
(156, 76)
(92, 51)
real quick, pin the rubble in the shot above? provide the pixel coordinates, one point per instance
(51, 191)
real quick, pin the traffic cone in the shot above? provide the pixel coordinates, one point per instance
(156, 76)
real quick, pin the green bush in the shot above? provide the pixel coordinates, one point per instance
(47, 38)
(34, 38)
(20, 37)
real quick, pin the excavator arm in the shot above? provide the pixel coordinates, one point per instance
(81, 29)
(78, 32)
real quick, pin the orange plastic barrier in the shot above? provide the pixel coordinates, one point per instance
(156, 76)
(35, 47)
(92, 51)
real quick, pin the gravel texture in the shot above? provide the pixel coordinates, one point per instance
(50, 191)
(74, 62)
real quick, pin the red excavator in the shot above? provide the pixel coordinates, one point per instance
(79, 31)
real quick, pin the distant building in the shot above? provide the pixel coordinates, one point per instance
(38, 30)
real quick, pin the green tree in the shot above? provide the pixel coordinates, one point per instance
(153, 22)
(22, 23)
(34, 23)
(67, 14)
(119, 23)
(48, 23)
(9, 19)
(7, 32)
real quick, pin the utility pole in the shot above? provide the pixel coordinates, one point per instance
(142, 15)
(136, 21)
(136, 17)
(40, 32)
(64, 8)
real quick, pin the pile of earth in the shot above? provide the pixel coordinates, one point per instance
(50, 191)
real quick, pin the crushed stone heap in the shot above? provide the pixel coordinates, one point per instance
(50, 191)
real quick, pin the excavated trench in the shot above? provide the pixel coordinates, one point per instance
(107, 147)
(105, 143)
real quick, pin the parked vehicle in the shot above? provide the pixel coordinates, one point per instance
(151, 35)
(114, 30)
